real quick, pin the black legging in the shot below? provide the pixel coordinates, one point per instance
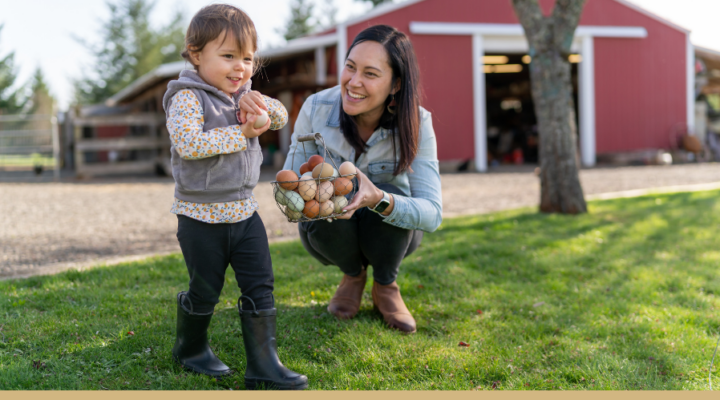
(209, 248)
(362, 240)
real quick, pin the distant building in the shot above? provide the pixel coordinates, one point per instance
(633, 74)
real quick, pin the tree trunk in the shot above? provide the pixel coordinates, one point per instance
(550, 39)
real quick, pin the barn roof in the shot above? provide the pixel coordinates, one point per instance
(308, 43)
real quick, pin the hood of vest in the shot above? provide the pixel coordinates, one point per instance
(190, 79)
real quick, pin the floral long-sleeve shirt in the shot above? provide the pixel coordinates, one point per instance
(185, 125)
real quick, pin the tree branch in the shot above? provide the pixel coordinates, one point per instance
(531, 19)
(566, 16)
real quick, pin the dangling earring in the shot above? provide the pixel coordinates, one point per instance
(392, 106)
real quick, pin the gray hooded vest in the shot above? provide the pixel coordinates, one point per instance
(222, 178)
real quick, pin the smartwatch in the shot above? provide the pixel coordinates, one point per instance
(383, 204)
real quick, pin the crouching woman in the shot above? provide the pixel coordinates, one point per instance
(373, 118)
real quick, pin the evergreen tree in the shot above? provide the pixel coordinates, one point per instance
(41, 101)
(11, 100)
(375, 3)
(129, 49)
(301, 20)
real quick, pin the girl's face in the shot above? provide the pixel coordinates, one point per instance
(222, 64)
(366, 80)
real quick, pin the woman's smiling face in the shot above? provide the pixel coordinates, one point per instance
(366, 80)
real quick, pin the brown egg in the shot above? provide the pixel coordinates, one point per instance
(323, 170)
(312, 209)
(347, 170)
(304, 168)
(326, 208)
(314, 161)
(342, 186)
(285, 178)
(324, 191)
(307, 188)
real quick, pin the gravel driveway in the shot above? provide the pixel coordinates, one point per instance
(46, 227)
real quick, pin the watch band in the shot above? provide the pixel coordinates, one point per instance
(383, 204)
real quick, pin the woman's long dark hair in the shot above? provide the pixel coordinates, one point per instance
(405, 123)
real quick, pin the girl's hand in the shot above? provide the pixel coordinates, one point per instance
(248, 128)
(252, 103)
(367, 195)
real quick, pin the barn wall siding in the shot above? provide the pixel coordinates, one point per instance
(640, 83)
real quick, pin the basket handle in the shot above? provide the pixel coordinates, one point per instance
(308, 137)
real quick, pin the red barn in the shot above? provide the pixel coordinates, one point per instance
(633, 75)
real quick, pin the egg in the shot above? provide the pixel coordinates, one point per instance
(307, 174)
(348, 170)
(304, 168)
(312, 209)
(342, 186)
(280, 195)
(261, 119)
(327, 208)
(335, 173)
(314, 161)
(340, 202)
(285, 178)
(323, 170)
(293, 215)
(324, 191)
(307, 188)
(294, 201)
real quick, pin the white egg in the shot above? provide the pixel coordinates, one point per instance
(340, 202)
(261, 119)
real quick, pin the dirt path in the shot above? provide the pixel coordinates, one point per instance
(45, 227)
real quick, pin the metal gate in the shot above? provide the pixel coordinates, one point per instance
(29, 142)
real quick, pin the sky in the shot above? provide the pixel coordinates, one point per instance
(41, 32)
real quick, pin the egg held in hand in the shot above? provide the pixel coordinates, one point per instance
(261, 120)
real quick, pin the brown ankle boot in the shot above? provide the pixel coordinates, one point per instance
(346, 301)
(388, 301)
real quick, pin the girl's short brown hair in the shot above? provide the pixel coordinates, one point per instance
(213, 20)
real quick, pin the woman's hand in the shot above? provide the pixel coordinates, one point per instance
(252, 102)
(367, 195)
(248, 128)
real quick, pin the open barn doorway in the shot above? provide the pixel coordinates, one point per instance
(512, 133)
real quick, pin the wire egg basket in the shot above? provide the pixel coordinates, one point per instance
(315, 198)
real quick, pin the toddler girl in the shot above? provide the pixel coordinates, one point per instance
(216, 164)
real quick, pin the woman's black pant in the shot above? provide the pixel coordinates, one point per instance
(362, 240)
(209, 248)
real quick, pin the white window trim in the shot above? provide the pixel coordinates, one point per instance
(511, 38)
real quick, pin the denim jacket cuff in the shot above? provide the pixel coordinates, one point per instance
(397, 215)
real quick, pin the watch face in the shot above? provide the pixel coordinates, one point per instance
(382, 206)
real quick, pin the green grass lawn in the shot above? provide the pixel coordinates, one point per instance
(622, 298)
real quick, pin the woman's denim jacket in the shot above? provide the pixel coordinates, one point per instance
(421, 207)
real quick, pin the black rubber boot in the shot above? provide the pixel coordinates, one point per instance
(264, 369)
(192, 350)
